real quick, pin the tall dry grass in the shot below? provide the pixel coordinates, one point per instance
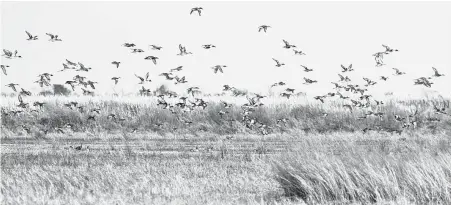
(142, 114)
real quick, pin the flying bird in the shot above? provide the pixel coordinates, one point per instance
(208, 46)
(218, 68)
(397, 72)
(306, 69)
(436, 73)
(129, 45)
(83, 68)
(183, 51)
(278, 64)
(71, 83)
(263, 27)
(309, 81)
(53, 38)
(12, 86)
(198, 9)
(388, 49)
(153, 58)
(116, 79)
(384, 78)
(143, 79)
(31, 37)
(347, 69)
(155, 47)
(176, 69)
(287, 45)
(116, 63)
(296, 52)
(4, 68)
(167, 75)
(137, 50)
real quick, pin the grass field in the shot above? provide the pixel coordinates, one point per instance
(312, 159)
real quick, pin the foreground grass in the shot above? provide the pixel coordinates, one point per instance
(334, 168)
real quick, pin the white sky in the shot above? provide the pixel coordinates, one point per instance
(331, 33)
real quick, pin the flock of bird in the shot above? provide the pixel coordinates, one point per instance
(192, 101)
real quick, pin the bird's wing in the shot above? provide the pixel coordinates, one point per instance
(147, 75)
(344, 68)
(350, 66)
(396, 69)
(19, 97)
(180, 47)
(29, 35)
(276, 60)
(341, 77)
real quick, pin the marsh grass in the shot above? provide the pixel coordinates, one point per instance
(142, 114)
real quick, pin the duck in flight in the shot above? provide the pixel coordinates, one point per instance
(436, 73)
(53, 38)
(198, 9)
(309, 81)
(278, 84)
(137, 50)
(208, 46)
(384, 78)
(287, 45)
(128, 45)
(344, 79)
(296, 52)
(71, 83)
(31, 37)
(423, 81)
(347, 69)
(218, 68)
(388, 49)
(176, 69)
(116, 63)
(116, 79)
(397, 72)
(306, 69)
(153, 58)
(83, 68)
(4, 68)
(155, 47)
(8, 54)
(143, 79)
(263, 27)
(12, 86)
(167, 75)
(183, 51)
(278, 63)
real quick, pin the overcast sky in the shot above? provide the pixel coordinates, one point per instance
(330, 33)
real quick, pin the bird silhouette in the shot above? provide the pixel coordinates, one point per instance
(153, 58)
(347, 69)
(278, 64)
(4, 68)
(287, 45)
(12, 86)
(53, 37)
(217, 68)
(179, 68)
(116, 79)
(208, 46)
(263, 27)
(31, 37)
(306, 69)
(116, 63)
(436, 73)
(198, 9)
(296, 52)
(154, 47)
(397, 72)
(183, 51)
